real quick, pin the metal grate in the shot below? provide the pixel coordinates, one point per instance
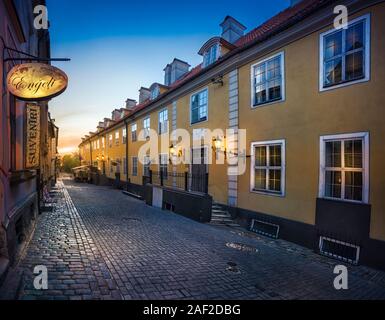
(339, 250)
(265, 228)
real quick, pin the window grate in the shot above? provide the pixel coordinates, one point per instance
(339, 250)
(265, 228)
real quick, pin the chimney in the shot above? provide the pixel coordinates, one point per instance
(174, 71)
(130, 104)
(144, 94)
(116, 115)
(232, 29)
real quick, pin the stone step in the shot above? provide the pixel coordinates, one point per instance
(227, 216)
(222, 220)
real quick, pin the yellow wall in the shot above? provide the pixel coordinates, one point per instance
(308, 114)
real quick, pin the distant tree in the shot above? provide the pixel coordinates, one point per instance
(70, 161)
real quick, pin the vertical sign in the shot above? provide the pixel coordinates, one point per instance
(32, 145)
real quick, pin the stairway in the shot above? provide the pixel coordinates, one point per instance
(220, 216)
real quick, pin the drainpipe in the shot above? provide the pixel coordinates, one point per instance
(91, 152)
(126, 123)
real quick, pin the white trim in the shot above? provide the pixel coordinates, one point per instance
(365, 164)
(207, 115)
(282, 142)
(367, 55)
(283, 85)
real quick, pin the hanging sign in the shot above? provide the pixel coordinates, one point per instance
(36, 81)
(32, 144)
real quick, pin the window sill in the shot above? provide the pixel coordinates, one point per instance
(268, 103)
(268, 193)
(200, 121)
(344, 200)
(344, 84)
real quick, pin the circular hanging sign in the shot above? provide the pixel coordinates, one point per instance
(36, 81)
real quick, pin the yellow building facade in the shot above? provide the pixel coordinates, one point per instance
(309, 99)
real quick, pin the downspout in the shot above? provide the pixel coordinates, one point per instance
(127, 175)
(91, 153)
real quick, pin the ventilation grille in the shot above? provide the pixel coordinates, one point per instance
(265, 228)
(339, 250)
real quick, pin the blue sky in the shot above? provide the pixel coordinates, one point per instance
(118, 46)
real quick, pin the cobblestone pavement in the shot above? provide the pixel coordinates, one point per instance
(101, 244)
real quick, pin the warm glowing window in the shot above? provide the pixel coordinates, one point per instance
(344, 161)
(124, 131)
(117, 135)
(268, 167)
(110, 140)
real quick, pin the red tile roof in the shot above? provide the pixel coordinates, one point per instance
(282, 21)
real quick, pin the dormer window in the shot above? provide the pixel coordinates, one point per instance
(155, 92)
(213, 49)
(211, 55)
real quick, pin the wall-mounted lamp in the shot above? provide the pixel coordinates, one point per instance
(218, 80)
(175, 152)
(219, 145)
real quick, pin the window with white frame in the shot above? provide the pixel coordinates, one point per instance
(163, 165)
(345, 54)
(199, 106)
(97, 144)
(344, 167)
(134, 128)
(110, 141)
(124, 135)
(163, 121)
(103, 143)
(146, 166)
(211, 55)
(268, 80)
(146, 127)
(117, 135)
(268, 167)
(134, 170)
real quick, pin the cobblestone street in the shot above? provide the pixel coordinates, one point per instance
(101, 244)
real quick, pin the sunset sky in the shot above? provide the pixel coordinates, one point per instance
(118, 46)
